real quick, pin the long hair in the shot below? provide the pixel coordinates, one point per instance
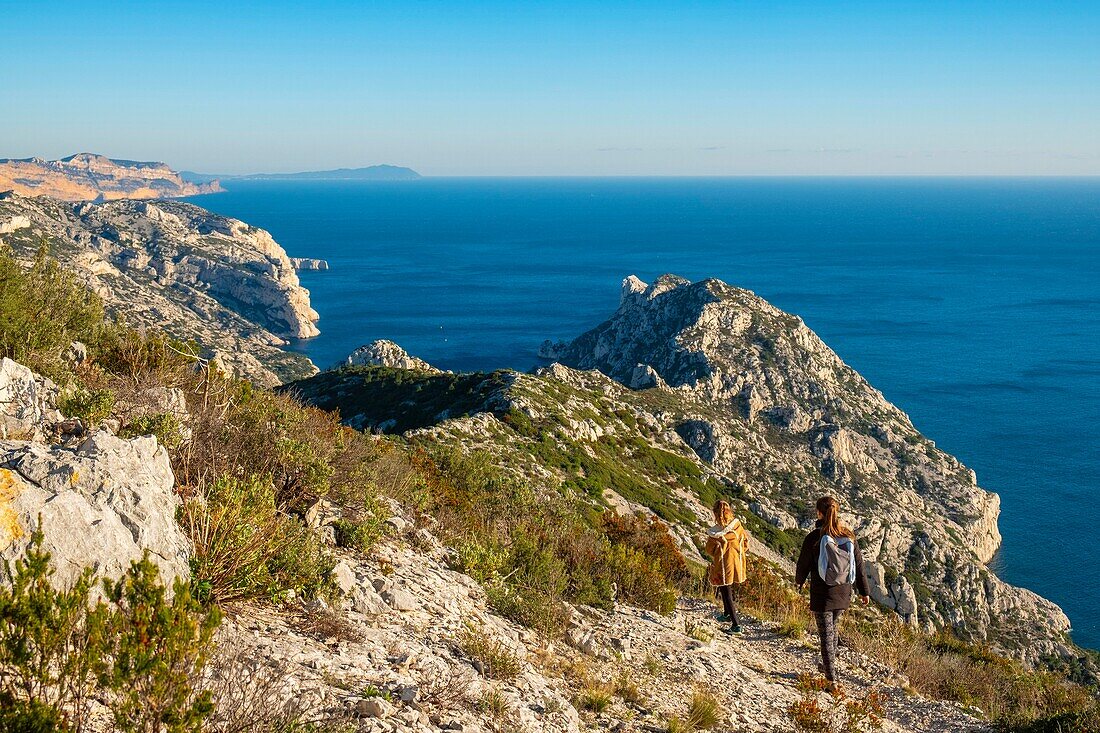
(723, 513)
(830, 518)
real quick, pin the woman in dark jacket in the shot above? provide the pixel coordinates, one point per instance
(828, 602)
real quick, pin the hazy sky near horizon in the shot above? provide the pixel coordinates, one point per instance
(559, 88)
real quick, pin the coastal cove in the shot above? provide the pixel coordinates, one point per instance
(973, 304)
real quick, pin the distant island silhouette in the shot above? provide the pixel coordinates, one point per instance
(368, 173)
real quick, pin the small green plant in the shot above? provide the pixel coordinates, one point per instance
(497, 661)
(92, 406)
(699, 632)
(164, 425)
(595, 698)
(792, 627)
(157, 649)
(356, 535)
(372, 691)
(626, 688)
(495, 704)
(704, 712)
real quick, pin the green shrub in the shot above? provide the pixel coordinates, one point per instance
(91, 406)
(497, 661)
(164, 425)
(237, 430)
(594, 697)
(533, 553)
(357, 535)
(157, 648)
(23, 716)
(135, 649)
(704, 712)
(245, 547)
(44, 309)
(49, 647)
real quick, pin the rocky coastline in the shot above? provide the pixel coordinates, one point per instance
(91, 177)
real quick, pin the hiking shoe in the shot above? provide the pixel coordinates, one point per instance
(723, 618)
(734, 629)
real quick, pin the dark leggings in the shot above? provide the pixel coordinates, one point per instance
(728, 594)
(827, 624)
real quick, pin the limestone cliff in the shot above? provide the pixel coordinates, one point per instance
(176, 267)
(91, 177)
(102, 500)
(693, 389)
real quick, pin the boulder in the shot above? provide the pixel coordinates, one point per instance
(388, 354)
(102, 505)
(27, 402)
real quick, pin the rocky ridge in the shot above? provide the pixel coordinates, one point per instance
(397, 650)
(91, 177)
(181, 269)
(755, 402)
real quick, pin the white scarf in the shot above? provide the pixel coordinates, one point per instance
(717, 531)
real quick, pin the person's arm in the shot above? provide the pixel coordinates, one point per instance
(861, 578)
(805, 561)
(713, 547)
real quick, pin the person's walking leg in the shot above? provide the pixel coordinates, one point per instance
(827, 635)
(733, 606)
(727, 601)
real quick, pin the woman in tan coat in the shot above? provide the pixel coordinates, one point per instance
(727, 545)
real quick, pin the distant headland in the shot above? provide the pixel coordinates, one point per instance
(92, 177)
(368, 173)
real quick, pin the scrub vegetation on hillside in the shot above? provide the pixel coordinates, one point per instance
(251, 465)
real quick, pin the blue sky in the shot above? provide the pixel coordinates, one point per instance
(559, 88)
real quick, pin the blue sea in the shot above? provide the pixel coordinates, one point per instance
(973, 304)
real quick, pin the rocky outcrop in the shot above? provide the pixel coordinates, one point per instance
(178, 268)
(695, 388)
(308, 263)
(388, 354)
(26, 402)
(90, 177)
(102, 502)
(762, 397)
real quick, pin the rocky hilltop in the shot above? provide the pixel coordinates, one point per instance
(691, 390)
(402, 647)
(91, 177)
(179, 268)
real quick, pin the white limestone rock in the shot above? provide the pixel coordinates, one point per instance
(179, 268)
(388, 354)
(27, 402)
(102, 505)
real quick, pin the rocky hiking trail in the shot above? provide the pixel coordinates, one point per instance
(412, 646)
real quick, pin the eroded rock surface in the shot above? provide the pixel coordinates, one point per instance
(181, 269)
(388, 354)
(102, 502)
(91, 177)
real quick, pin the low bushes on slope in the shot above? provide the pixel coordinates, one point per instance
(534, 552)
(135, 649)
(42, 310)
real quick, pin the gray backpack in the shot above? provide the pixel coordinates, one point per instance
(836, 560)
